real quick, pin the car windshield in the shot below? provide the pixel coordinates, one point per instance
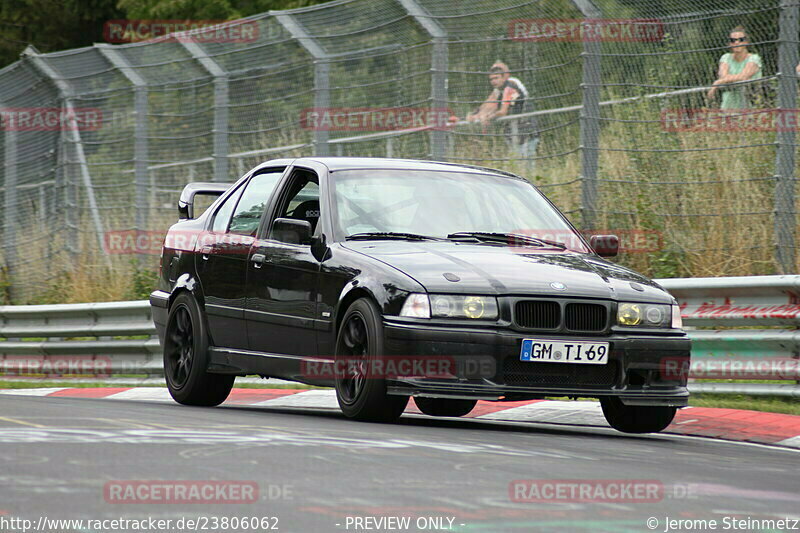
(440, 204)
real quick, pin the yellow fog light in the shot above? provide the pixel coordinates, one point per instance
(629, 314)
(474, 306)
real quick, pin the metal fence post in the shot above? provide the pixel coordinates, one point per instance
(439, 68)
(221, 118)
(10, 209)
(140, 146)
(322, 100)
(68, 192)
(590, 118)
(66, 93)
(784, 199)
(220, 129)
(439, 99)
(322, 86)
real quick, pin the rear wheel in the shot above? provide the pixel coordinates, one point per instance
(444, 406)
(636, 418)
(186, 357)
(360, 392)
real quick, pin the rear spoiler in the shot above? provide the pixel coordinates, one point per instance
(186, 201)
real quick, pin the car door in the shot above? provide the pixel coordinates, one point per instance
(282, 277)
(222, 259)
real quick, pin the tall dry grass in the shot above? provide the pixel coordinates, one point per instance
(57, 265)
(708, 194)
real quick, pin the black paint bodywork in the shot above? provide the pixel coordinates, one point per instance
(268, 320)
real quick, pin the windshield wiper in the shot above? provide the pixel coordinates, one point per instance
(390, 235)
(508, 238)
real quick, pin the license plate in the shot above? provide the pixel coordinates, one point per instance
(581, 352)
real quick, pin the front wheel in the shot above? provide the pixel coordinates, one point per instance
(360, 390)
(444, 406)
(186, 357)
(636, 418)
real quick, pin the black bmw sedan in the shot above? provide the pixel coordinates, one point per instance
(388, 279)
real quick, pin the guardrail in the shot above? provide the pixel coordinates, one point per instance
(753, 353)
(83, 339)
(79, 339)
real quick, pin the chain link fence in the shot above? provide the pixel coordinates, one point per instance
(617, 127)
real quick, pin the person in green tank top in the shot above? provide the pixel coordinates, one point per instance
(736, 66)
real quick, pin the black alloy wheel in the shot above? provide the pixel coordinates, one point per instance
(360, 390)
(186, 357)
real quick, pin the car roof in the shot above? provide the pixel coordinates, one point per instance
(335, 164)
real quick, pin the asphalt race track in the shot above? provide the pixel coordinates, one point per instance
(61, 458)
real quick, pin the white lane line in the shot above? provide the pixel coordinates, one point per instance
(151, 394)
(317, 398)
(32, 392)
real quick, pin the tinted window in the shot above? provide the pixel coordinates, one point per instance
(302, 199)
(223, 214)
(253, 202)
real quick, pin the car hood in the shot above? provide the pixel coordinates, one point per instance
(503, 270)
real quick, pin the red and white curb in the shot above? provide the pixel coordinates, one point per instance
(728, 424)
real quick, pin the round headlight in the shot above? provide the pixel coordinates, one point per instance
(654, 315)
(629, 314)
(441, 306)
(474, 307)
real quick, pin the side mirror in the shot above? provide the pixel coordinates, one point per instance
(291, 231)
(605, 245)
(319, 248)
(186, 201)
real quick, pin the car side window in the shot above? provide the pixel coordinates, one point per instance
(302, 199)
(223, 214)
(254, 200)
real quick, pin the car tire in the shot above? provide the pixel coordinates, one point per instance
(362, 394)
(636, 418)
(186, 357)
(444, 406)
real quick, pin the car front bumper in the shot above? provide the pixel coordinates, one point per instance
(641, 369)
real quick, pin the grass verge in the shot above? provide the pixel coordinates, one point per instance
(770, 404)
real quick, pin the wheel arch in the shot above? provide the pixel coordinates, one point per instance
(187, 283)
(348, 296)
(384, 287)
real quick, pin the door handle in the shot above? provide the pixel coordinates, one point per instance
(258, 260)
(205, 250)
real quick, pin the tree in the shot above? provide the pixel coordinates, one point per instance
(52, 25)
